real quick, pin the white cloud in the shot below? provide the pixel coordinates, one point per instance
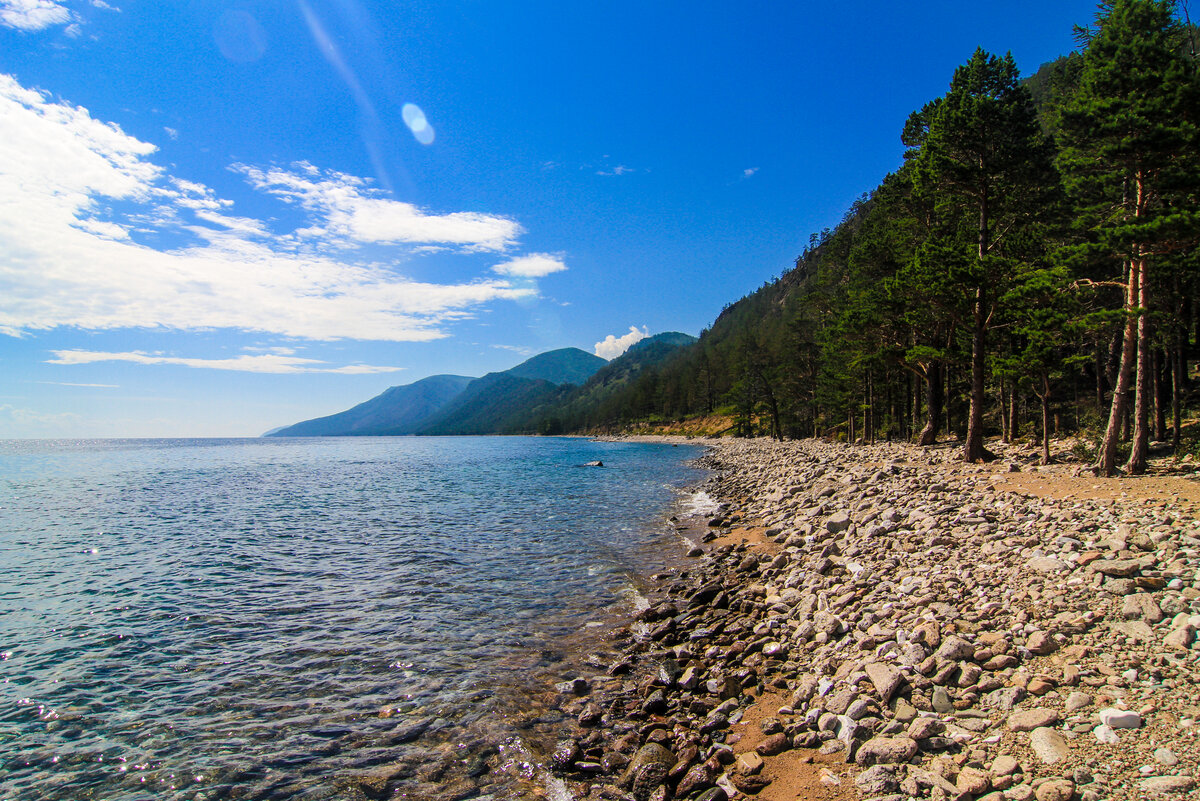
(262, 363)
(517, 349)
(79, 197)
(73, 384)
(355, 213)
(620, 169)
(33, 15)
(28, 417)
(612, 347)
(749, 171)
(535, 265)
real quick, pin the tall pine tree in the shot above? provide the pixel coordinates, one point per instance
(983, 154)
(1129, 157)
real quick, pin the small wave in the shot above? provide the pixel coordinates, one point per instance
(698, 504)
(635, 599)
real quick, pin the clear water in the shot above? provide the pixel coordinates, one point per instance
(204, 619)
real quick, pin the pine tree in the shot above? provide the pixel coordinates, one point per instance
(1130, 165)
(983, 153)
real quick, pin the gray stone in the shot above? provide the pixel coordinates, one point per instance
(1047, 564)
(837, 523)
(877, 780)
(1120, 568)
(648, 769)
(1030, 719)
(904, 711)
(1077, 701)
(1048, 745)
(955, 649)
(1165, 756)
(942, 702)
(1167, 785)
(1055, 790)
(886, 680)
(1005, 698)
(1141, 606)
(1180, 638)
(886, 751)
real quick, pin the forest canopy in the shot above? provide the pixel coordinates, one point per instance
(1034, 256)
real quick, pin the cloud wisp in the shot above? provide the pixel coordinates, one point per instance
(613, 346)
(246, 363)
(84, 210)
(33, 15)
(535, 265)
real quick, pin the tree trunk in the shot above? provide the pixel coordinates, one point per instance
(1044, 395)
(1141, 402)
(1005, 431)
(1106, 459)
(1140, 448)
(1014, 416)
(1162, 382)
(973, 450)
(1176, 391)
(935, 399)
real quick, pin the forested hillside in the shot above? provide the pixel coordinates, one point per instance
(1030, 266)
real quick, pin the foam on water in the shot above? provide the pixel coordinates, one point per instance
(698, 504)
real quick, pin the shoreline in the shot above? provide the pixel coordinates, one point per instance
(886, 622)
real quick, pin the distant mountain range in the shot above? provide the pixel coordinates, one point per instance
(528, 398)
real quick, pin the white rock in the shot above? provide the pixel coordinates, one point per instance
(1120, 718)
(1105, 734)
(1165, 756)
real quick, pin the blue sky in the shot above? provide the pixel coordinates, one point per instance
(221, 217)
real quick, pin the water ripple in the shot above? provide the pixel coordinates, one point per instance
(209, 619)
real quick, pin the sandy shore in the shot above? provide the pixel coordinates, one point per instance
(886, 622)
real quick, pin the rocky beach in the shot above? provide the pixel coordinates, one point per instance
(886, 622)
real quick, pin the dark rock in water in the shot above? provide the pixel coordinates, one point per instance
(699, 777)
(715, 794)
(656, 703)
(648, 770)
(669, 671)
(566, 754)
(614, 762)
(590, 716)
(410, 731)
(596, 463)
(704, 595)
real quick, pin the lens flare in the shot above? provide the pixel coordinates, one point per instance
(414, 118)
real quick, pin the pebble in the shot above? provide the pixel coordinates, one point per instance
(1030, 719)
(1048, 745)
(1120, 718)
(942, 633)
